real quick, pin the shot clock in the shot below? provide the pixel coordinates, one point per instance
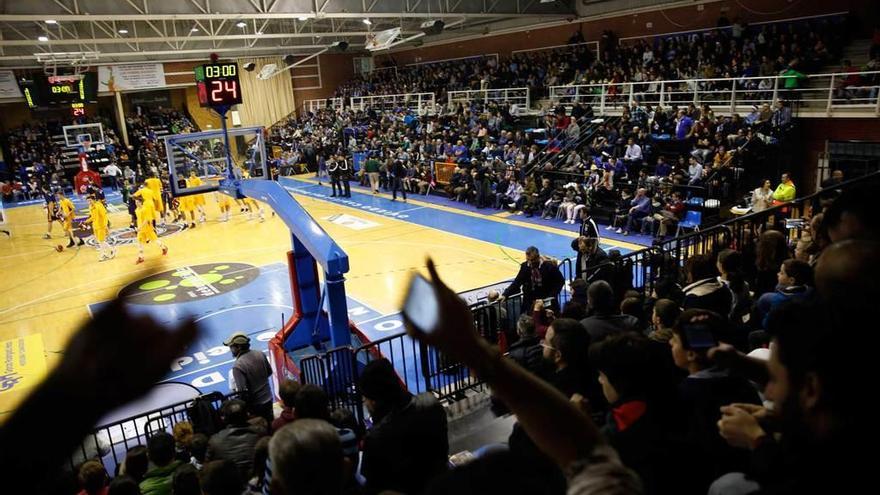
(217, 84)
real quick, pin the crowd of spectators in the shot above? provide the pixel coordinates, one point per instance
(35, 160)
(731, 51)
(571, 168)
(739, 380)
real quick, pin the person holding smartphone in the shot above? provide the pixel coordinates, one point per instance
(701, 396)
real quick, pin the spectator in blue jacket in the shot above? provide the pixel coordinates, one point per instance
(795, 281)
(641, 207)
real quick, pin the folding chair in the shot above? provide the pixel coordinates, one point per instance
(691, 220)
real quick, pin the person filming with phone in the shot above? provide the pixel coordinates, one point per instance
(538, 278)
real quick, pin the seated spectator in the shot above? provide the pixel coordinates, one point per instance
(633, 306)
(160, 450)
(604, 319)
(795, 284)
(770, 251)
(136, 463)
(183, 433)
(312, 403)
(287, 390)
(641, 208)
(221, 478)
(186, 481)
(695, 171)
(236, 441)
(258, 483)
(407, 445)
(730, 267)
(123, 485)
(671, 213)
(199, 450)
(527, 351)
(704, 291)
(93, 479)
(307, 459)
(702, 394)
(624, 366)
(663, 317)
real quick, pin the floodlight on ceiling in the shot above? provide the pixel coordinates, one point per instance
(43, 38)
(241, 24)
(51, 21)
(302, 18)
(123, 31)
(368, 22)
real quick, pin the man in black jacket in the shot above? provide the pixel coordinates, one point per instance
(527, 351)
(235, 442)
(538, 279)
(592, 261)
(407, 445)
(398, 172)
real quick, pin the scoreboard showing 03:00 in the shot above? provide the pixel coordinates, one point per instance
(218, 84)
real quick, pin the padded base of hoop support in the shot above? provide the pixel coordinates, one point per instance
(80, 180)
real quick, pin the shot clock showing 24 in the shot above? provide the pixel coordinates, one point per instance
(218, 84)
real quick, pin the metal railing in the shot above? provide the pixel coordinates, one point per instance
(851, 94)
(513, 96)
(421, 103)
(313, 106)
(421, 368)
(110, 442)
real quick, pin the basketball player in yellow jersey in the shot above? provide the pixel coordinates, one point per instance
(98, 219)
(149, 202)
(225, 203)
(187, 205)
(155, 185)
(251, 204)
(145, 232)
(198, 199)
(67, 211)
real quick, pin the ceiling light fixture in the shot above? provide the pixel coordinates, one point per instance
(43, 38)
(51, 21)
(194, 30)
(303, 18)
(367, 22)
(241, 24)
(123, 31)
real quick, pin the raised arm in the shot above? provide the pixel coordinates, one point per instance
(555, 424)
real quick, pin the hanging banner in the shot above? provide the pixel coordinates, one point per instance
(358, 159)
(127, 77)
(8, 86)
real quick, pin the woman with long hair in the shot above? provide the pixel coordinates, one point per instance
(770, 251)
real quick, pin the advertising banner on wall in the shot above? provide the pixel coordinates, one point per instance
(128, 77)
(8, 86)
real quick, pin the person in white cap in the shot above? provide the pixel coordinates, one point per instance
(250, 375)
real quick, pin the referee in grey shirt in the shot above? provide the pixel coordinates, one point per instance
(250, 375)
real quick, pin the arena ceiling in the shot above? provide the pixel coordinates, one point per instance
(119, 31)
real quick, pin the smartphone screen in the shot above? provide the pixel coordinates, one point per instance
(421, 305)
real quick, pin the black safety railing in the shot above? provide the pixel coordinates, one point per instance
(109, 442)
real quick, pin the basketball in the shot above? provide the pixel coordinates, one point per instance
(59, 248)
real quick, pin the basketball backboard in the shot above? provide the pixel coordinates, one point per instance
(75, 135)
(205, 154)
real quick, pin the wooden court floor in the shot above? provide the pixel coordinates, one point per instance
(44, 294)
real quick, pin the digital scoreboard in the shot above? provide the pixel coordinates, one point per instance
(217, 84)
(73, 91)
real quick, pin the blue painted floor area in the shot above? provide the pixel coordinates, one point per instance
(257, 308)
(556, 245)
(442, 200)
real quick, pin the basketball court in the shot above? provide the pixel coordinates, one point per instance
(233, 276)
